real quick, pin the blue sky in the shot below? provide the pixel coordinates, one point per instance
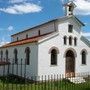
(18, 15)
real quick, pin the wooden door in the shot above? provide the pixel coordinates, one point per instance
(70, 67)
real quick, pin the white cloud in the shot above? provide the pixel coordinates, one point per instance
(86, 34)
(83, 7)
(17, 1)
(10, 28)
(3, 43)
(23, 8)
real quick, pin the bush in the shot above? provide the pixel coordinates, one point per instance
(13, 79)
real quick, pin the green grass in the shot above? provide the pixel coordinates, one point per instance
(56, 85)
(12, 82)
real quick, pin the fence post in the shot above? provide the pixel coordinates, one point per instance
(12, 71)
(24, 74)
(8, 66)
(21, 67)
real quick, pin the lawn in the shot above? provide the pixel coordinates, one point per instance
(54, 85)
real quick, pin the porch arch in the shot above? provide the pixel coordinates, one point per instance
(73, 50)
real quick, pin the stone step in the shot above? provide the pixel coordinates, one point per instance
(77, 80)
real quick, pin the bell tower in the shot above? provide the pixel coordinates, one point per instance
(69, 8)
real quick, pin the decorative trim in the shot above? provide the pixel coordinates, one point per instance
(84, 50)
(75, 53)
(53, 48)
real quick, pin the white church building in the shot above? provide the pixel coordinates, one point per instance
(54, 47)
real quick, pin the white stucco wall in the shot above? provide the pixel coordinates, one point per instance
(31, 69)
(45, 28)
(44, 67)
(40, 56)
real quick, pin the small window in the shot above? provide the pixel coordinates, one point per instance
(65, 40)
(70, 28)
(83, 57)
(75, 41)
(27, 51)
(39, 33)
(17, 38)
(70, 40)
(53, 57)
(26, 36)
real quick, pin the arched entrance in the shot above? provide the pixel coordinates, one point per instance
(70, 63)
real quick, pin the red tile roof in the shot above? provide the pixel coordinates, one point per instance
(25, 41)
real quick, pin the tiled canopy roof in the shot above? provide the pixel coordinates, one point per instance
(25, 41)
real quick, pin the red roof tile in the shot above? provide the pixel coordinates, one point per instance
(25, 41)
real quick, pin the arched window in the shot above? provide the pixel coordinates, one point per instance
(65, 40)
(54, 57)
(27, 51)
(75, 41)
(6, 55)
(70, 40)
(1, 55)
(15, 56)
(83, 54)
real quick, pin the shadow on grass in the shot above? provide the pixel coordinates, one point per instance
(14, 79)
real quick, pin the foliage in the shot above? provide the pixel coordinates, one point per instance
(13, 82)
